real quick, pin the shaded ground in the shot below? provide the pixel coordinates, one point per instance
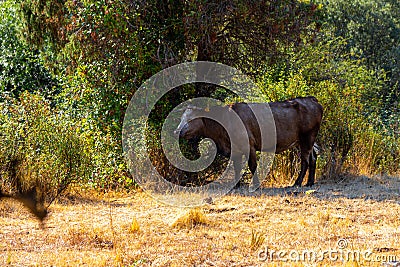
(357, 215)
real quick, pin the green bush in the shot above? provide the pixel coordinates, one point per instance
(40, 148)
(351, 138)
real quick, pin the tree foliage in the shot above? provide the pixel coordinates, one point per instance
(116, 45)
(372, 31)
(21, 67)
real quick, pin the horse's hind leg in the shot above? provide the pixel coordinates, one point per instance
(306, 147)
(312, 167)
(304, 166)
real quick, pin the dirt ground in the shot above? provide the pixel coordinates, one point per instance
(350, 222)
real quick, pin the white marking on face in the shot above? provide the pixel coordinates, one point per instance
(186, 117)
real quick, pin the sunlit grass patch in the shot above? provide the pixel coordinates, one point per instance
(135, 226)
(191, 219)
(323, 217)
(80, 235)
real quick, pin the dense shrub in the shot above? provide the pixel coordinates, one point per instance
(40, 148)
(351, 138)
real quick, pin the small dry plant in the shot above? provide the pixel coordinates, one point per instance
(257, 239)
(191, 219)
(135, 227)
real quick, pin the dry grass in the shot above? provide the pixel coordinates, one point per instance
(257, 239)
(134, 230)
(190, 219)
(135, 226)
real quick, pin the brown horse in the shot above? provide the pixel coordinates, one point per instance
(297, 122)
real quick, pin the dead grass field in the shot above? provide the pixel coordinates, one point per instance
(90, 229)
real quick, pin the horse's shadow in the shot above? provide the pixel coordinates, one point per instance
(377, 188)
